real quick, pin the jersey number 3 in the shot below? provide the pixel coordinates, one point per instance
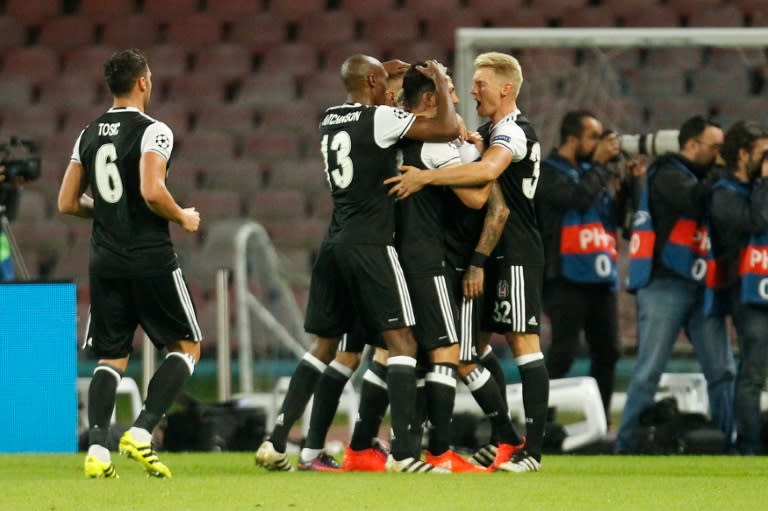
(108, 181)
(340, 146)
(530, 183)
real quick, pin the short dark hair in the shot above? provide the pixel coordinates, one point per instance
(123, 69)
(572, 125)
(741, 135)
(415, 83)
(694, 127)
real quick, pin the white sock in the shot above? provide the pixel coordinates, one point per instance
(309, 454)
(140, 434)
(100, 452)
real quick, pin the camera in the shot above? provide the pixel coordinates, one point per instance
(25, 166)
(652, 144)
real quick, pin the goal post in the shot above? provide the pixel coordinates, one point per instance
(606, 43)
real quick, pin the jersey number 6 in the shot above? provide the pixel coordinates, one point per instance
(108, 181)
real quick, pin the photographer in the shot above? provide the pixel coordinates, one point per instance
(575, 205)
(739, 216)
(667, 270)
(9, 202)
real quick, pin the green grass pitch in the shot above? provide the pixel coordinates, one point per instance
(231, 482)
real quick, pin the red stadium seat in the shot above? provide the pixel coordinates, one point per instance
(720, 16)
(442, 26)
(77, 117)
(242, 175)
(233, 119)
(324, 90)
(657, 16)
(416, 51)
(268, 146)
(661, 83)
(68, 32)
(321, 206)
(587, 17)
(215, 204)
(689, 7)
(225, 60)
(69, 90)
(300, 116)
(207, 30)
(335, 56)
(306, 175)
(31, 121)
(167, 10)
(327, 29)
(35, 63)
(670, 112)
(302, 57)
(297, 233)
(134, 31)
(101, 11)
(391, 27)
(197, 89)
(267, 89)
(88, 61)
(12, 33)
(259, 30)
(175, 115)
(514, 17)
(369, 9)
(711, 83)
(233, 10)
(206, 147)
(32, 207)
(168, 60)
(276, 203)
(15, 91)
(735, 58)
(686, 59)
(296, 9)
(32, 11)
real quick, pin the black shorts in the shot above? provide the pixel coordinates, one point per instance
(469, 317)
(357, 282)
(435, 308)
(161, 304)
(355, 340)
(512, 297)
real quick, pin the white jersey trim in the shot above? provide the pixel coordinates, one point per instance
(439, 154)
(507, 134)
(390, 125)
(158, 138)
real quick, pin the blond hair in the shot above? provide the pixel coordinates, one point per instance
(505, 67)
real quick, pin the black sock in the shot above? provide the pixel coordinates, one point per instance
(490, 362)
(327, 394)
(419, 414)
(486, 393)
(441, 395)
(401, 385)
(163, 388)
(535, 381)
(374, 401)
(101, 401)
(300, 390)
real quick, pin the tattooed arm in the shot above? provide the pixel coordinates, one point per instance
(493, 226)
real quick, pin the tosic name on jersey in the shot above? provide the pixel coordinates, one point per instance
(109, 129)
(331, 119)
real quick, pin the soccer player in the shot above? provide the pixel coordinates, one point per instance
(357, 268)
(134, 275)
(325, 374)
(514, 279)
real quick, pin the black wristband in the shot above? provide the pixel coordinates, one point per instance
(478, 259)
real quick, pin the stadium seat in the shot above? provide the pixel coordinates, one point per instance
(243, 175)
(512, 17)
(67, 32)
(31, 121)
(551, 60)
(335, 56)
(297, 58)
(228, 61)
(207, 30)
(659, 83)
(306, 175)
(321, 206)
(300, 115)
(15, 91)
(369, 9)
(234, 119)
(687, 59)
(579, 394)
(194, 89)
(88, 61)
(268, 145)
(233, 10)
(304, 233)
(32, 207)
(69, 90)
(266, 89)
(77, 117)
(35, 63)
(327, 29)
(582, 17)
(720, 16)
(670, 112)
(215, 204)
(12, 33)
(167, 10)
(689, 7)
(442, 26)
(276, 203)
(175, 115)
(324, 89)
(127, 386)
(710, 83)
(101, 11)
(32, 11)
(425, 9)
(296, 9)
(204, 147)
(168, 60)
(658, 16)
(259, 30)
(134, 31)
(392, 26)
(735, 59)
(415, 51)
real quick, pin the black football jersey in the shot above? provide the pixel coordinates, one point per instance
(520, 243)
(128, 238)
(358, 143)
(420, 217)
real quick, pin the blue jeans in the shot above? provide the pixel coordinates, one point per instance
(751, 324)
(665, 306)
